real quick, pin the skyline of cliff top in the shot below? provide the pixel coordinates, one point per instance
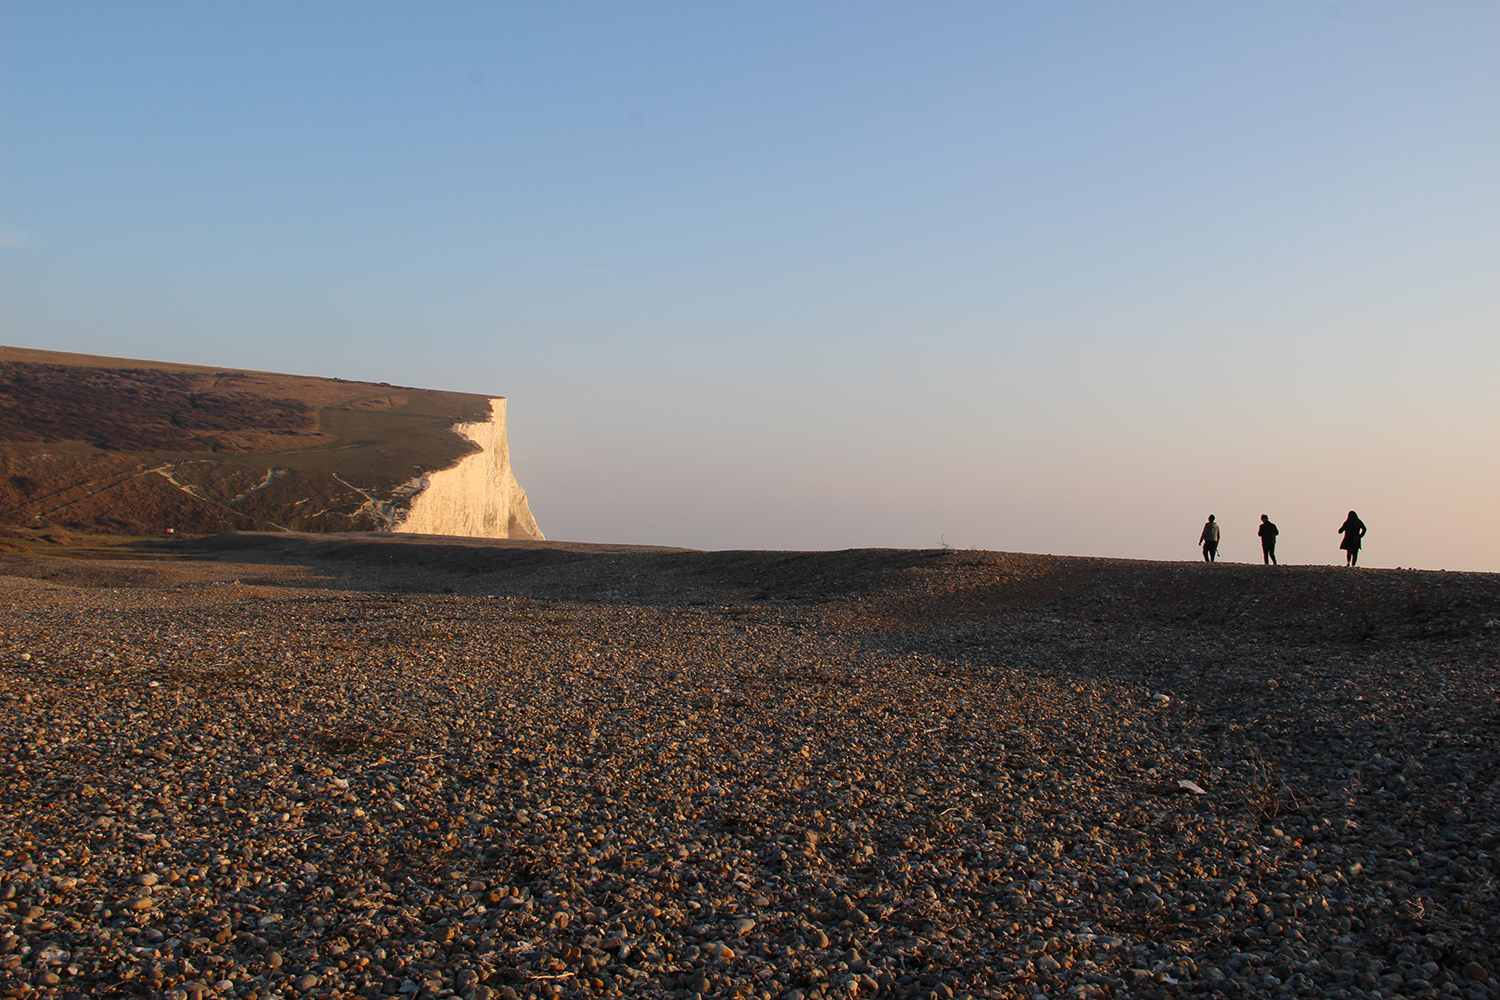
(44, 356)
(1060, 277)
(169, 408)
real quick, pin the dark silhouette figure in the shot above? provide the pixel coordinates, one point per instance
(1210, 540)
(1353, 529)
(1267, 533)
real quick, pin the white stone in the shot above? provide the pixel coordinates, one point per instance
(476, 498)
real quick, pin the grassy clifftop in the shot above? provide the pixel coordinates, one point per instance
(114, 444)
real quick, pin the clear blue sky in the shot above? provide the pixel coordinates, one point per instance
(1052, 277)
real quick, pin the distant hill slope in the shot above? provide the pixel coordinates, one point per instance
(124, 446)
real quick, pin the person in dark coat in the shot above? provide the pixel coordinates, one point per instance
(1353, 529)
(1267, 533)
(1210, 540)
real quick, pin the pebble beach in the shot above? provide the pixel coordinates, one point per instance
(311, 766)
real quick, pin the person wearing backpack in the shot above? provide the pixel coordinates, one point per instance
(1210, 540)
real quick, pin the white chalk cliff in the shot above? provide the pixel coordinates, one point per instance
(477, 498)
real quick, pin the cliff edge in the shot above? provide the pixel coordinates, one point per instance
(477, 498)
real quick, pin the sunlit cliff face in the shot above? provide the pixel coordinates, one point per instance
(477, 498)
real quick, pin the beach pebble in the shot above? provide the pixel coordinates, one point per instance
(828, 775)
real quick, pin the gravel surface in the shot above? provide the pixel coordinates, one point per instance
(310, 767)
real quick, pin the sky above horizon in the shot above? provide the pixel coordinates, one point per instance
(1061, 277)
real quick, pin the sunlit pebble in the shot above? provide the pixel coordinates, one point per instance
(899, 785)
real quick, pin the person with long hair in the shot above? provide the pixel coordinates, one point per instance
(1353, 529)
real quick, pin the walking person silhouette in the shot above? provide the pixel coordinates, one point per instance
(1210, 540)
(1267, 532)
(1353, 529)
